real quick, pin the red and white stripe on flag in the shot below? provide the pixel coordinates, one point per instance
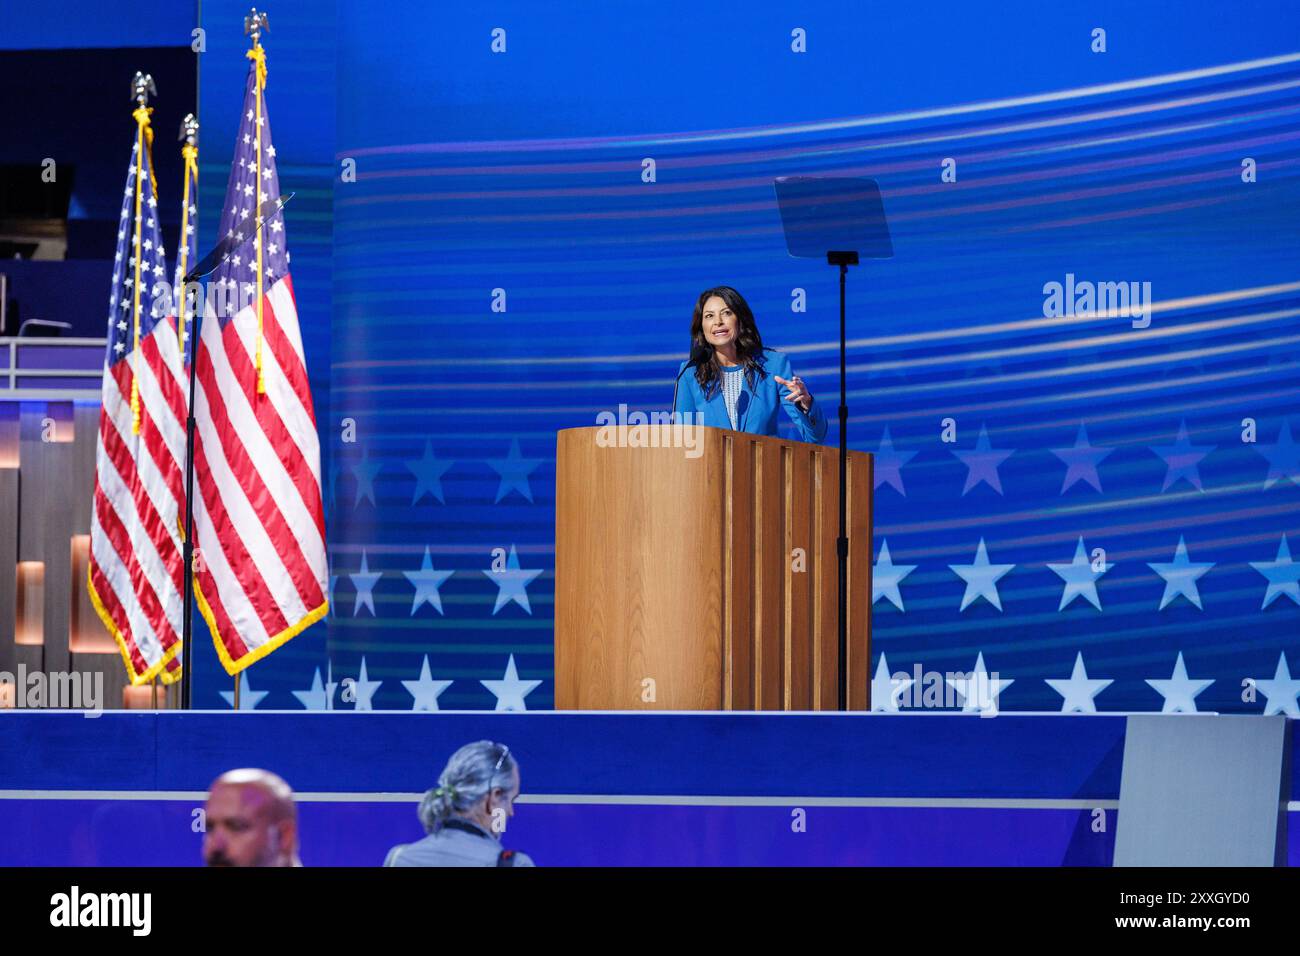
(258, 517)
(135, 569)
(261, 573)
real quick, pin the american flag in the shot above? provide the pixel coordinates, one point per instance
(135, 575)
(259, 524)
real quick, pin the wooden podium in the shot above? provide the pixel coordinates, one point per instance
(704, 577)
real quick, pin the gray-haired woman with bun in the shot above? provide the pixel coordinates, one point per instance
(476, 792)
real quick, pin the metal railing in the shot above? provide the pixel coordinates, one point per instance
(13, 370)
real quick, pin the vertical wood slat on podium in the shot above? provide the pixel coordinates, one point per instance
(706, 582)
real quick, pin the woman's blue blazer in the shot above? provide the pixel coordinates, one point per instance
(756, 411)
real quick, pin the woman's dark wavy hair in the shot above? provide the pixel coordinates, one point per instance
(749, 344)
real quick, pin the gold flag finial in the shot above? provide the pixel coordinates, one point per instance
(189, 129)
(142, 87)
(255, 23)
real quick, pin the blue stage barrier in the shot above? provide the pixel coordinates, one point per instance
(598, 788)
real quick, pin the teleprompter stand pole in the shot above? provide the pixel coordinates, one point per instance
(843, 260)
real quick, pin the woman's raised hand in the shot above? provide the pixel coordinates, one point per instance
(798, 391)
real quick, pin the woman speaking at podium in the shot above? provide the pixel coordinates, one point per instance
(737, 383)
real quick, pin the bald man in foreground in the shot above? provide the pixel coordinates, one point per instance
(250, 821)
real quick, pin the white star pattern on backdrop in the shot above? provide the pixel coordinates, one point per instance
(1080, 578)
(428, 473)
(1281, 691)
(365, 688)
(981, 578)
(982, 462)
(1283, 458)
(1026, 405)
(889, 462)
(886, 577)
(1081, 461)
(426, 582)
(1079, 690)
(364, 581)
(510, 691)
(365, 472)
(514, 470)
(512, 583)
(330, 685)
(1282, 575)
(979, 691)
(886, 689)
(426, 690)
(1180, 576)
(1179, 691)
(248, 698)
(314, 697)
(1181, 460)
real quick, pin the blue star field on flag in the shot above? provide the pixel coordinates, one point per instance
(154, 282)
(250, 186)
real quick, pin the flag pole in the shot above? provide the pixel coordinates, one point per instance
(254, 24)
(190, 153)
(189, 129)
(142, 86)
